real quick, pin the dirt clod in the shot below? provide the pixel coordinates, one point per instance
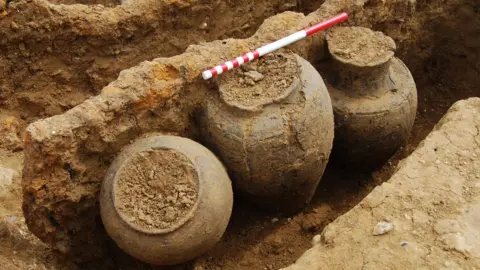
(266, 79)
(156, 189)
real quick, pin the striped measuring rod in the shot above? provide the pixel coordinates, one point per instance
(207, 74)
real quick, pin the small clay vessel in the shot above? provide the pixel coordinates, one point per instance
(271, 122)
(166, 200)
(373, 95)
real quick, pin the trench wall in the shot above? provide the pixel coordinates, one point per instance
(432, 200)
(53, 57)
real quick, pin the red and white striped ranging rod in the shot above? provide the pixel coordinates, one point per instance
(207, 74)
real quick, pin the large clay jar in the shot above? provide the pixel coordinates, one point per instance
(271, 122)
(373, 95)
(166, 200)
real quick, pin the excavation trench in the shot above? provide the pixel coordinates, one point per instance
(67, 155)
(56, 54)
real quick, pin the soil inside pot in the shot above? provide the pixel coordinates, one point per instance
(156, 190)
(360, 46)
(261, 82)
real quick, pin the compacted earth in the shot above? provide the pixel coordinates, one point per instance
(46, 70)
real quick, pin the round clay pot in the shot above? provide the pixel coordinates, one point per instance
(166, 200)
(271, 123)
(373, 95)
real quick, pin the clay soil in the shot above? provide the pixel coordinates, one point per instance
(445, 64)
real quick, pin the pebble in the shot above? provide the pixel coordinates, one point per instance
(329, 235)
(14, 26)
(254, 75)
(249, 81)
(203, 25)
(316, 240)
(6, 179)
(22, 47)
(382, 227)
(274, 220)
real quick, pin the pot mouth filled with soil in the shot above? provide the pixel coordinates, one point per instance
(360, 46)
(156, 191)
(270, 79)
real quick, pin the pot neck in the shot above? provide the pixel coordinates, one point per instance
(360, 80)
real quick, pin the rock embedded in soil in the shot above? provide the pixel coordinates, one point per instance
(434, 207)
(6, 179)
(382, 227)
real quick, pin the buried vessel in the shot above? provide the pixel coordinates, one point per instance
(374, 96)
(166, 200)
(271, 122)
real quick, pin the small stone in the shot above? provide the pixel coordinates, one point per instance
(22, 47)
(6, 179)
(141, 215)
(328, 235)
(203, 25)
(274, 220)
(13, 25)
(254, 75)
(316, 240)
(249, 81)
(382, 228)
